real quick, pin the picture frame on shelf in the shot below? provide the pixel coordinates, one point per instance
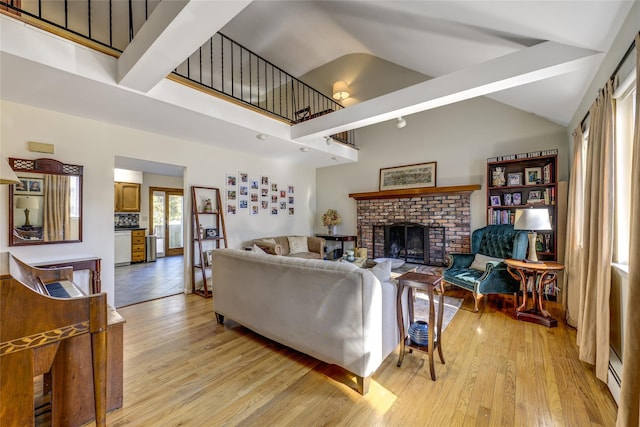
(533, 176)
(210, 233)
(408, 176)
(514, 178)
(516, 198)
(507, 199)
(495, 200)
(535, 194)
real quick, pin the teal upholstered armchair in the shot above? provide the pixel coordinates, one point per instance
(482, 271)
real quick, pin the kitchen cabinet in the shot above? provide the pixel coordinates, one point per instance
(138, 252)
(126, 197)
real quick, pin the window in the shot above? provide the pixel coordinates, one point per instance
(625, 113)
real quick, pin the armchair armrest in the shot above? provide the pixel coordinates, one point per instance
(268, 247)
(316, 244)
(459, 260)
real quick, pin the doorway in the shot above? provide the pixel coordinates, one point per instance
(166, 207)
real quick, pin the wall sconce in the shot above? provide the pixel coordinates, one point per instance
(340, 90)
(400, 122)
(27, 203)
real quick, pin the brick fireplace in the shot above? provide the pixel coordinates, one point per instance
(446, 210)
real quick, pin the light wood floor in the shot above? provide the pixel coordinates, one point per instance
(181, 368)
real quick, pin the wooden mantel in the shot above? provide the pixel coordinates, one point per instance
(413, 192)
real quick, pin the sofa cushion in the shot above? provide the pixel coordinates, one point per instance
(298, 244)
(480, 262)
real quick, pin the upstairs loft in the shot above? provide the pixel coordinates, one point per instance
(220, 67)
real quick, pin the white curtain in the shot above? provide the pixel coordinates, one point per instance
(629, 408)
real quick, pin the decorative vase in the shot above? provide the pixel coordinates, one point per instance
(332, 230)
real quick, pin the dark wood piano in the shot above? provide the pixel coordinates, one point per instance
(73, 340)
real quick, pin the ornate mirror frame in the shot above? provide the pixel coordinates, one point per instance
(53, 192)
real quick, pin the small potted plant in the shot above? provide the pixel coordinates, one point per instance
(330, 219)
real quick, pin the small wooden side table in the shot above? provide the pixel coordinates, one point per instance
(429, 283)
(542, 274)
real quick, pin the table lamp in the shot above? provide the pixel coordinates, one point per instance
(27, 203)
(532, 219)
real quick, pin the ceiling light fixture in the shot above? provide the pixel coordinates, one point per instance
(400, 122)
(261, 136)
(328, 140)
(336, 158)
(340, 90)
(304, 149)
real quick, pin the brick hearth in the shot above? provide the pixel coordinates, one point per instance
(451, 211)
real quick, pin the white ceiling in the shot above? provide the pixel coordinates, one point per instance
(435, 38)
(440, 39)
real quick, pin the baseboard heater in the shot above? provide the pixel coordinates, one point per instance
(615, 373)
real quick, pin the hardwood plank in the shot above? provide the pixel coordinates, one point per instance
(182, 368)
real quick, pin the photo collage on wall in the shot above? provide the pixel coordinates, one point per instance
(257, 195)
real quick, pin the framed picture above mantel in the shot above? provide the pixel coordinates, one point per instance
(409, 176)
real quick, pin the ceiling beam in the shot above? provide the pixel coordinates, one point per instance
(532, 64)
(175, 30)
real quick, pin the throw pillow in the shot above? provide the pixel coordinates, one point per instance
(382, 271)
(298, 244)
(258, 249)
(480, 262)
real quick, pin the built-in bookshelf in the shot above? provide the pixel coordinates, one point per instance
(524, 180)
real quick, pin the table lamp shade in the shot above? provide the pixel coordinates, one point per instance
(533, 219)
(27, 203)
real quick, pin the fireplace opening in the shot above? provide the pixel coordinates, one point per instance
(411, 242)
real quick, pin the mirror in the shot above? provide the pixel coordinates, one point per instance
(46, 206)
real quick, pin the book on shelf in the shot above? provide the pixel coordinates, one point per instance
(546, 173)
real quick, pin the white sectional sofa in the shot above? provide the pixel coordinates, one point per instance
(332, 311)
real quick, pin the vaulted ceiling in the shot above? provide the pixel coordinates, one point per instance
(538, 56)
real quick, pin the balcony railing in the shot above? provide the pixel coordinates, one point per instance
(220, 65)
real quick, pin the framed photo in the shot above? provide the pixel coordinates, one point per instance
(210, 232)
(514, 178)
(534, 195)
(533, 176)
(35, 186)
(507, 199)
(244, 177)
(516, 198)
(495, 200)
(21, 187)
(207, 257)
(231, 180)
(409, 176)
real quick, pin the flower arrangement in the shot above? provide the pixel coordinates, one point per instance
(331, 217)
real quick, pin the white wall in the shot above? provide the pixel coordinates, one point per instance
(95, 144)
(459, 137)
